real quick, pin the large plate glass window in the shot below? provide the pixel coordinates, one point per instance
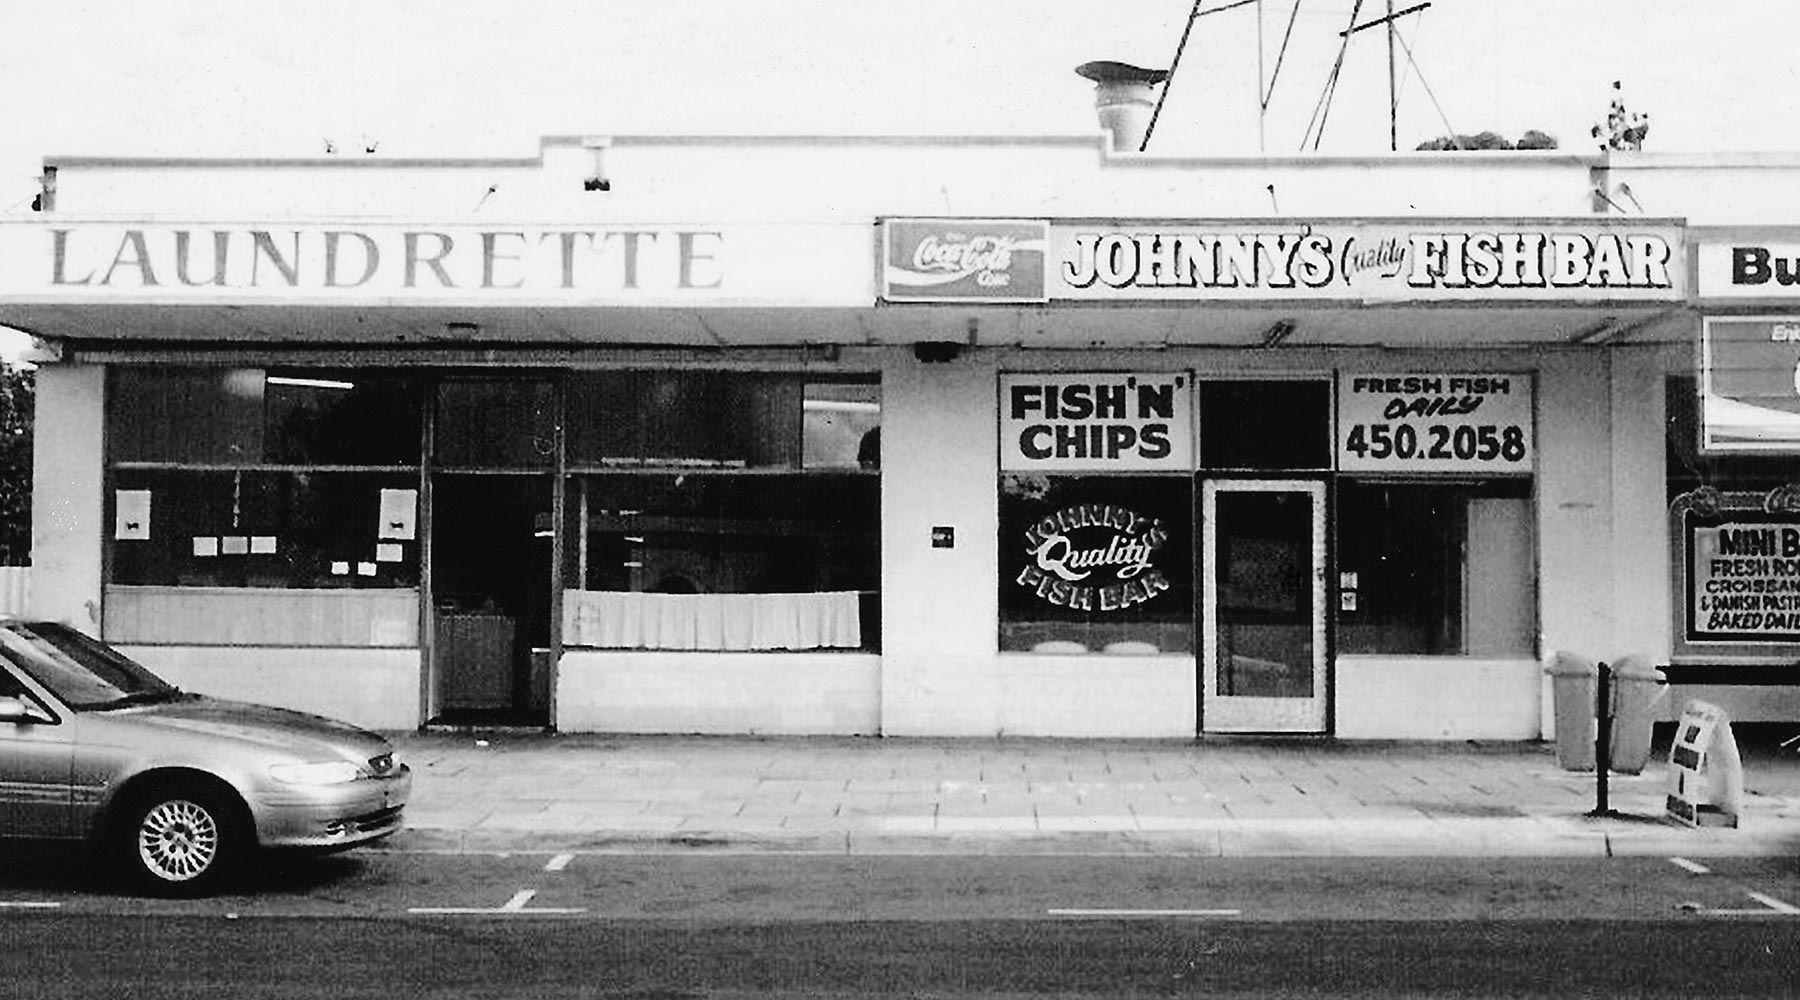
(1734, 508)
(1435, 551)
(722, 511)
(263, 506)
(1096, 513)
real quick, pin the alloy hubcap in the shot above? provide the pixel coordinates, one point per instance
(178, 840)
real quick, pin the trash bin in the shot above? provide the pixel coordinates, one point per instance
(1572, 680)
(1636, 688)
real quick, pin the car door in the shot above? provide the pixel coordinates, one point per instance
(36, 764)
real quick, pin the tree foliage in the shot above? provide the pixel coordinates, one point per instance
(18, 394)
(1532, 139)
(1622, 130)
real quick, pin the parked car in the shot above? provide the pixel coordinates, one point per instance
(178, 789)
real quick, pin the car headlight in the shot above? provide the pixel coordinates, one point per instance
(330, 772)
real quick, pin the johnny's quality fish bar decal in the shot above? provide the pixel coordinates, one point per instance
(1744, 581)
(1456, 422)
(1097, 422)
(1094, 557)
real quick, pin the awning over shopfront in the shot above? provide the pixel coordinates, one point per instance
(1028, 283)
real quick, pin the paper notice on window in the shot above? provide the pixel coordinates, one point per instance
(398, 509)
(340, 569)
(365, 569)
(131, 513)
(388, 552)
(235, 545)
(206, 546)
(262, 545)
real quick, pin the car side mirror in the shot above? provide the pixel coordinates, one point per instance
(18, 710)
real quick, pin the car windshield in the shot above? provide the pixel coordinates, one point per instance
(83, 672)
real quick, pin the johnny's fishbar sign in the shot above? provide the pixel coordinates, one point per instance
(1744, 582)
(1094, 557)
(1443, 260)
(1456, 422)
(1096, 422)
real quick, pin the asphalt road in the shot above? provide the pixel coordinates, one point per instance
(719, 925)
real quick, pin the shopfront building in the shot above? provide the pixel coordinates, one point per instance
(1071, 461)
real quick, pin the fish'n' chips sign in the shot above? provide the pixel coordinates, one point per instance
(1096, 422)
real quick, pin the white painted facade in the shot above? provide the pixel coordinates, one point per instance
(1601, 536)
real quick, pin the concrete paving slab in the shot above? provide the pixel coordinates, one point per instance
(1211, 798)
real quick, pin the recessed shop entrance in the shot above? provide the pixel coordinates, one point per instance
(490, 608)
(1262, 557)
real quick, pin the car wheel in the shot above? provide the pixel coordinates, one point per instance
(178, 840)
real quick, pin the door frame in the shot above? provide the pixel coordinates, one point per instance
(1238, 714)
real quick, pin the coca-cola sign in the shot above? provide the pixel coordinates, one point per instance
(963, 260)
(1094, 557)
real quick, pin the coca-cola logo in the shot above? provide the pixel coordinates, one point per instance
(1094, 557)
(986, 259)
(940, 260)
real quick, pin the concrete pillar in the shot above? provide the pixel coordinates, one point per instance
(67, 503)
(939, 605)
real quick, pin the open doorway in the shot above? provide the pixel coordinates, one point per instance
(490, 581)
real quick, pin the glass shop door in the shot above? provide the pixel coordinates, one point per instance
(1263, 606)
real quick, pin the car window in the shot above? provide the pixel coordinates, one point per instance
(83, 672)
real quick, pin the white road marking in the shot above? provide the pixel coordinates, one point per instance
(559, 862)
(514, 905)
(31, 906)
(1775, 904)
(1771, 907)
(1143, 913)
(1692, 866)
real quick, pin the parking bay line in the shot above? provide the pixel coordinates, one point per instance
(515, 905)
(1141, 914)
(559, 862)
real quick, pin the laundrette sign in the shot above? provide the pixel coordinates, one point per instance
(1450, 260)
(75, 260)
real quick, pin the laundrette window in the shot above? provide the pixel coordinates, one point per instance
(247, 417)
(1436, 568)
(723, 511)
(230, 488)
(261, 528)
(1096, 564)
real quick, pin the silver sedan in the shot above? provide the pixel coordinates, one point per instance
(178, 789)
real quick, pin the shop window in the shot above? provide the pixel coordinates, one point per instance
(1096, 564)
(255, 416)
(263, 506)
(722, 561)
(1734, 523)
(1442, 569)
(495, 423)
(230, 555)
(1265, 424)
(1690, 468)
(724, 420)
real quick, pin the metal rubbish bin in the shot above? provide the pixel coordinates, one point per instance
(1572, 680)
(1636, 688)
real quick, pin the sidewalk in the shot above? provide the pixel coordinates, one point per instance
(1234, 797)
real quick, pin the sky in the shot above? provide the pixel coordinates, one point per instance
(489, 77)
